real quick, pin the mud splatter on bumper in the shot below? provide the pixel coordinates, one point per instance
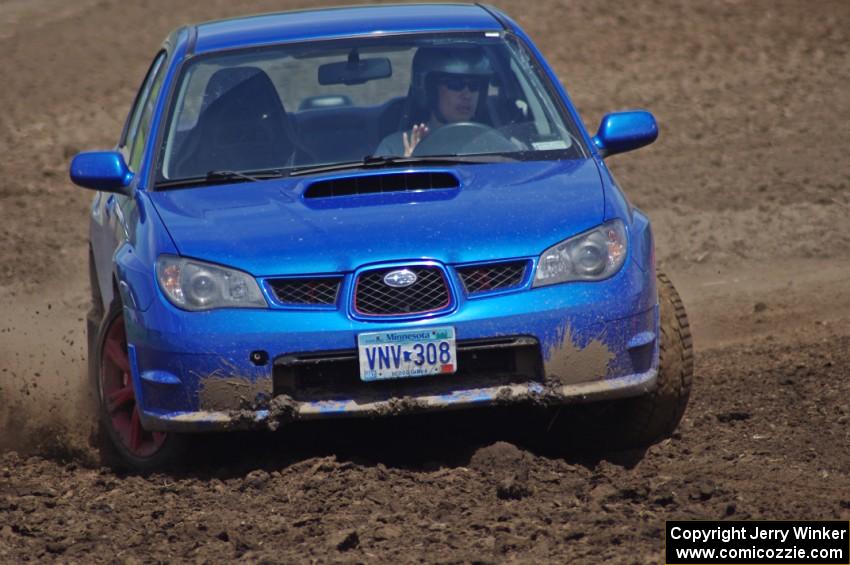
(530, 393)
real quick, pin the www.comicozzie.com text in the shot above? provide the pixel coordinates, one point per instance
(744, 532)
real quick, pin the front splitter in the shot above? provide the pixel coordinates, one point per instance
(283, 409)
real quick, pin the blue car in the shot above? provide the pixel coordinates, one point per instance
(367, 211)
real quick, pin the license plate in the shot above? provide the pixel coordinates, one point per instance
(408, 353)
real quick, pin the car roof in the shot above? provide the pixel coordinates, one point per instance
(266, 29)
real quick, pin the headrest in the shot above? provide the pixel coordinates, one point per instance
(243, 90)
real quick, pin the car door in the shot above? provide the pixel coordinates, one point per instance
(111, 212)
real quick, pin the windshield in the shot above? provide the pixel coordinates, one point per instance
(322, 103)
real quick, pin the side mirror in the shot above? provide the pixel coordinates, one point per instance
(623, 131)
(101, 170)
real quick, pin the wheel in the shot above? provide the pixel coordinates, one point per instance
(643, 420)
(654, 416)
(122, 440)
(462, 138)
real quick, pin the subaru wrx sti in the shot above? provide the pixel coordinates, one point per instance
(367, 210)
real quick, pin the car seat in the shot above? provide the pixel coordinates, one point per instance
(242, 126)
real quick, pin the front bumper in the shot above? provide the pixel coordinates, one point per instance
(196, 372)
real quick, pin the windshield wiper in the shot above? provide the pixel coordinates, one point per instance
(230, 175)
(225, 176)
(378, 162)
(369, 162)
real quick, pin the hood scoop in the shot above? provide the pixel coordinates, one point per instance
(381, 184)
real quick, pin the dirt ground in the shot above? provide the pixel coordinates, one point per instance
(748, 187)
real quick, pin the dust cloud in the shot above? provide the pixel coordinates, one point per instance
(45, 402)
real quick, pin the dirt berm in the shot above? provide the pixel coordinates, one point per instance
(748, 187)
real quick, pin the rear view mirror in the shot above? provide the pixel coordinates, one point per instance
(355, 70)
(101, 170)
(623, 131)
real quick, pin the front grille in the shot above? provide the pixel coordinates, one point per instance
(497, 276)
(373, 297)
(317, 291)
(335, 375)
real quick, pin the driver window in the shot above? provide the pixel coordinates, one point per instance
(530, 104)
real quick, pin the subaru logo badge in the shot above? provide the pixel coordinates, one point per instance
(400, 279)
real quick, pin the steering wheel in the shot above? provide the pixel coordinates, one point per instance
(463, 137)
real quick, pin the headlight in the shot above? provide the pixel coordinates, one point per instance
(195, 285)
(591, 256)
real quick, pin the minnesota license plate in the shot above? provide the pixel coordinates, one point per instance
(408, 353)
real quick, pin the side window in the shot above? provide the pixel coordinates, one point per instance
(133, 120)
(532, 103)
(137, 143)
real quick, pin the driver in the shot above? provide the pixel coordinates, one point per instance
(447, 87)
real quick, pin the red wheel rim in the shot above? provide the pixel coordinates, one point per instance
(119, 397)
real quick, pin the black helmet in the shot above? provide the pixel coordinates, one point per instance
(430, 63)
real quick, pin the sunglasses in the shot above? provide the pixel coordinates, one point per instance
(457, 84)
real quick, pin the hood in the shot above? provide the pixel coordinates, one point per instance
(498, 211)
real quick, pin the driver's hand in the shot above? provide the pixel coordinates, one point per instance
(416, 134)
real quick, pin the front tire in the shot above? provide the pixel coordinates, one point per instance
(121, 439)
(652, 417)
(643, 420)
